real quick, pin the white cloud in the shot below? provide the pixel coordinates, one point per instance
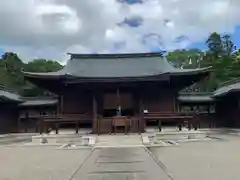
(50, 28)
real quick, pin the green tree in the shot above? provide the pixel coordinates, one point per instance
(228, 45)
(181, 58)
(11, 75)
(12, 67)
(42, 65)
(214, 43)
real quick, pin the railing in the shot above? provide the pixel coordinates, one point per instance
(57, 120)
(180, 118)
(111, 124)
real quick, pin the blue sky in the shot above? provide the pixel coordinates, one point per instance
(1, 51)
(119, 26)
(200, 45)
(137, 21)
(236, 36)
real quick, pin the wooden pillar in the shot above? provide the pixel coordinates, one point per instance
(174, 102)
(26, 122)
(57, 128)
(60, 105)
(77, 125)
(119, 108)
(159, 125)
(94, 114)
(41, 126)
(142, 123)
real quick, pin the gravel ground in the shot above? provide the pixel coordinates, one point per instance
(210, 160)
(39, 163)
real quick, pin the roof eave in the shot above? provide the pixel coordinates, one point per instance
(225, 93)
(120, 55)
(7, 99)
(192, 72)
(46, 75)
(156, 77)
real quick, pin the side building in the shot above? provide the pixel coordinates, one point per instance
(204, 104)
(227, 98)
(9, 111)
(31, 109)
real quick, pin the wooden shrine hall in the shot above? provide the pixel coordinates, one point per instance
(117, 92)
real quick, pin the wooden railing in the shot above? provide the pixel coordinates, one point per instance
(180, 118)
(111, 124)
(56, 120)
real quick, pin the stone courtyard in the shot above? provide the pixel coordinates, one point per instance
(215, 159)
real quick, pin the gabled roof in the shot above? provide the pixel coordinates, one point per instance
(227, 88)
(195, 98)
(99, 66)
(38, 101)
(9, 96)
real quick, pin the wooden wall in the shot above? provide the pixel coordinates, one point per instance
(228, 110)
(8, 118)
(155, 99)
(76, 103)
(159, 100)
(29, 116)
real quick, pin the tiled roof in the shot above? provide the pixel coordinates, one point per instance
(6, 95)
(117, 66)
(225, 90)
(195, 98)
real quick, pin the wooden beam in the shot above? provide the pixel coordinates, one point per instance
(58, 104)
(94, 114)
(61, 104)
(142, 124)
(174, 102)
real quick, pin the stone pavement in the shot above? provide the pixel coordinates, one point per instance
(212, 160)
(118, 140)
(217, 159)
(39, 162)
(120, 164)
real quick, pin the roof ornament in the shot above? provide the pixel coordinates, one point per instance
(190, 60)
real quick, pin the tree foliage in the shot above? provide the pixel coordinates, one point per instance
(221, 55)
(11, 76)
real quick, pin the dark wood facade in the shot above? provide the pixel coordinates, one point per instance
(8, 111)
(8, 117)
(30, 111)
(206, 112)
(228, 110)
(98, 104)
(114, 90)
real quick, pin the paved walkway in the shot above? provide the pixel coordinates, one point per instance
(119, 140)
(120, 164)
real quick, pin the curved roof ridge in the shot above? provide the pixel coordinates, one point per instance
(118, 55)
(129, 66)
(229, 82)
(10, 96)
(229, 86)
